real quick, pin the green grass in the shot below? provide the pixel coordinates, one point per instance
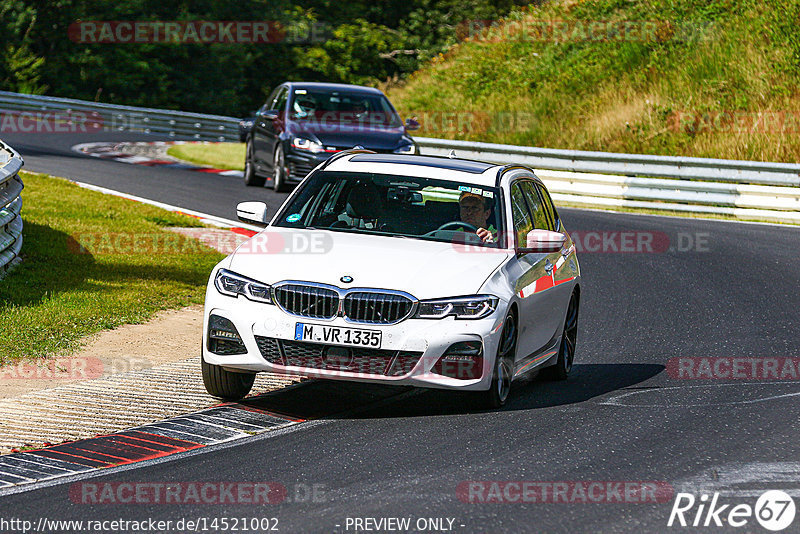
(58, 294)
(623, 95)
(215, 155)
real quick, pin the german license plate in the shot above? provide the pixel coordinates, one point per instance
(337, 335)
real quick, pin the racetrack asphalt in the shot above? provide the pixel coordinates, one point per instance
(621, 416)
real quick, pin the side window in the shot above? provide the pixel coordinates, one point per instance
(520, 216)
(548, 205)
(540, 219)
(280, 101)
(270, 100)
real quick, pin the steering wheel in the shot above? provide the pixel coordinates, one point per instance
(468, 226)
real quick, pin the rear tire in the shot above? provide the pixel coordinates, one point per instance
(279, 170)
(226, 384)
(250, 176)
(566, 349)
(503, 372)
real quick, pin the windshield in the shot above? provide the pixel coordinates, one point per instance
(343, 107)
(381, 204)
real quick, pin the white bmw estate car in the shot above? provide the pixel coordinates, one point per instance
(410, 270)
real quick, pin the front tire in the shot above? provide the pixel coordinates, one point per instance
(279, 170)
(250, 176)
(503, 372)
(225, 384)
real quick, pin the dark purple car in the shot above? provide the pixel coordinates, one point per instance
(303, 124)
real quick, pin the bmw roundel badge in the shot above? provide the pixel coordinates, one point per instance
(346, 279)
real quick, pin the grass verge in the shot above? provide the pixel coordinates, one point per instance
(216, 155)
(93, 262)
(710, 78)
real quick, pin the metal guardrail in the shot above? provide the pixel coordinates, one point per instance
(84, 116)
(725, 170)
(743, 189)
(10, 207)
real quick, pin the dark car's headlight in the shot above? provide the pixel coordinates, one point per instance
(307, 144)
(475, 307)
(406, 149)
(231, 284)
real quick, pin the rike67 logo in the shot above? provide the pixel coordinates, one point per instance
(774, 510)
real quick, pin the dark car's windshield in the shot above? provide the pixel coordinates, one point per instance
(422, 208)
(343, 107)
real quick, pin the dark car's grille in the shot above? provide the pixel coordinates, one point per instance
(298, 171)
(308, 301)
(349, 359)
(376, 308)
(368, 307)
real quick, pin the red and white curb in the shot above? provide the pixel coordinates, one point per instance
(214, 425)
(276, 410)
(117, 152)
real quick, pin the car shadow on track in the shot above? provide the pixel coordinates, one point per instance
(327, 399)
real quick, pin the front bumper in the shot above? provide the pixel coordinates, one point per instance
(418, 342)
(302, 162)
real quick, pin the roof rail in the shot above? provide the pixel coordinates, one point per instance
(344, 153)
(511, 166)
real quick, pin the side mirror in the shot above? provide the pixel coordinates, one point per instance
(412, 124)
(543, 241)
(268, 115)
(252, 212)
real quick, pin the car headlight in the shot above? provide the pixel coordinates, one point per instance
(406, 149)
(476, 307)
(233, 285)
(307, 144)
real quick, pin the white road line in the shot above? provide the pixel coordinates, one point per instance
(617, 400)
(211, 219)
(741, 479)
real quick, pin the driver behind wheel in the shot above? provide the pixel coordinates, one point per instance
(475, 211)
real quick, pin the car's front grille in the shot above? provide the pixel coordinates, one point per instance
(358, 306)
(376, 308)
(226, 347)
(308, 301)
(269, 349)
(298, 171)
(337, 358)
(404, 363)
